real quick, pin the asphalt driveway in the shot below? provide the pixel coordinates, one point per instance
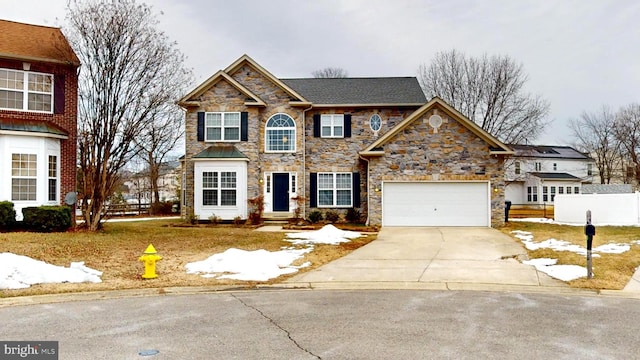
(429, 257)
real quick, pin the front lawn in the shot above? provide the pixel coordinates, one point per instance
(611, 271)
(115, 252)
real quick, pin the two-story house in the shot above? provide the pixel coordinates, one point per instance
(535, 174)
(38, 115)
(374, 144)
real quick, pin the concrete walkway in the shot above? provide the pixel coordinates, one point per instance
(434, 258)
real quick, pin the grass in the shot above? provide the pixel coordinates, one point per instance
(611, 271)
(115, 252)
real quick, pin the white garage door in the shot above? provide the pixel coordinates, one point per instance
(435, 204)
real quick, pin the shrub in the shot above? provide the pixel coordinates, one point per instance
(161, 208)
(7, 216)
(191, 219)
(315, 216)
(47, 218)
(256, 209)
(332, 216)
(214, 220)
(353, 216)
(237, 221)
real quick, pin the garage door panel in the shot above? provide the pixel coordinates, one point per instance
(435, 204)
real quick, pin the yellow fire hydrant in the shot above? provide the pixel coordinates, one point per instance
(149, 257)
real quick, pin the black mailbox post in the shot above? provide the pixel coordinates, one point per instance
(507, 207)
(590, 231)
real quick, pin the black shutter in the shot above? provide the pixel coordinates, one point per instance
(316, 125)
(355, 188)
(347, 125)
(244, 126)
(313, 185)
(200, 126)
(58, 94)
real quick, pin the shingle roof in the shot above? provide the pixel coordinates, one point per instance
(555, 176)
(220, 152)
(385, 90)
(547, 151)
(37, 126)
(35, 42)
(607, 189)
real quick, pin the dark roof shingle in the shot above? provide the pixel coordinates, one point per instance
(554, 176)
(361, 91)
(37, 126)
(220, 152)
(548, 151)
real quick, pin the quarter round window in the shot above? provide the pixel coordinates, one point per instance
(375, 122)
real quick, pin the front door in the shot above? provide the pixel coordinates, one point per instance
(281, 192)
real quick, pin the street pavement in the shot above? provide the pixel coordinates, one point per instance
(334, 324)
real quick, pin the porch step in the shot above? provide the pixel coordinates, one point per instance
(277, 216)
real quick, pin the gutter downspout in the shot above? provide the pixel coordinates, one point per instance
(368, 192)
(304, 157)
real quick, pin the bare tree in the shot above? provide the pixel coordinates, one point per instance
(330, 72)
(627, 131)
(130, 71)
(156, 142)
(488, 91)
(595, 135)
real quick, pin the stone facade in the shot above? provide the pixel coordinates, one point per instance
(454, 153)
(416, 153)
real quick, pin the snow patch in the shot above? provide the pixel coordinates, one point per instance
(262, 265)
(561, 272)
(20, 272)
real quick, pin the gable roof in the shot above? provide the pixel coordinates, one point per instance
(360, 91)
(496, 146)
(548, 151)
(187, 100)
(215, 78)
(35, 43)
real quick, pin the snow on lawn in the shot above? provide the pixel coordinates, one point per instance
(329, 234)
(20, 272)
(565, 272)
(262, 265)
(562, 272)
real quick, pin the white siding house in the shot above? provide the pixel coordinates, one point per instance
(535, 174)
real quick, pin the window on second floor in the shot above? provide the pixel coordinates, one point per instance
(555, 167)
(222, 126)
(589, 169)
(517, 165)
(280, 134)
(538, 166)
(332, 125)
(26, 91)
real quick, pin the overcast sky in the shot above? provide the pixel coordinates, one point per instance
(578, 54)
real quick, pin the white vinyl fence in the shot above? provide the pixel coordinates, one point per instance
(606, 209)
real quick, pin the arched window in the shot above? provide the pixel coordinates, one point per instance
(280, 134)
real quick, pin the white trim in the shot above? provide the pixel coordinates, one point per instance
(224, 212)
(25, 91)
(33, 134)
(332, 118)
(223, 126)
(266, 135)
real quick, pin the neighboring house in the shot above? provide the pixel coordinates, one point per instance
(139, 187)
(38, 115)
(535, 174)
(373, 144)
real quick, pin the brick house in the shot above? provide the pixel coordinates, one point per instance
(374, 144)
(38, 115)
